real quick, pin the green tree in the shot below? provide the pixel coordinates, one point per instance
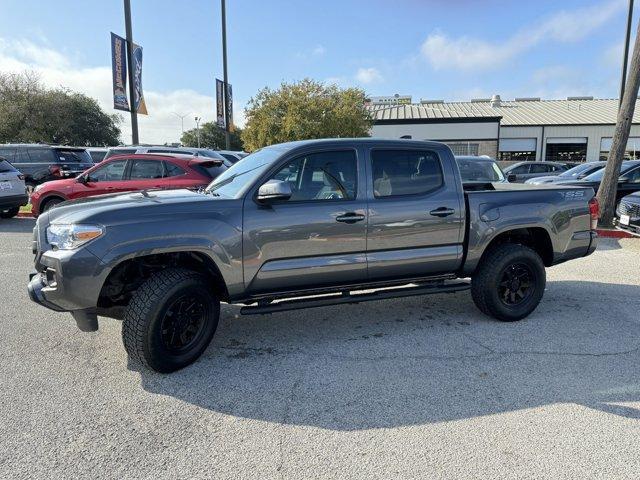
(303, 110)
(212, 136)
(29, 112)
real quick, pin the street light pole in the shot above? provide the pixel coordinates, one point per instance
(198, 129)
(181, 117)
(625, 60)
(226, 80)
(134, 114)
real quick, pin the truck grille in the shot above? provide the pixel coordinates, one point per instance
(628, 208)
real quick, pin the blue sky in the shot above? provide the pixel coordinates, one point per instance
(437, 49)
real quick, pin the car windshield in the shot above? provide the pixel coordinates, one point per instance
(480, 171)
(233, 182)
(577, 170)
(80, 156)
(597, 176)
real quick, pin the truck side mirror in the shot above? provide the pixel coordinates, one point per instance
(274, 190)
(512, 178)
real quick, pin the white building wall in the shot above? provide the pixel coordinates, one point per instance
(439, 131)
(593, 134)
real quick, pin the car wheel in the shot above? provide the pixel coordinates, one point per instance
(509, 282)
(49, 204)
(9, 213)
(170, 320)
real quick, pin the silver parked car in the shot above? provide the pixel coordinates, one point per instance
(576, 173)
(525, 170)
(13, 191)
(232, 156)
(196, 152)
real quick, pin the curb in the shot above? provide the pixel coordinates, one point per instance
(24, 215)
(608, 233)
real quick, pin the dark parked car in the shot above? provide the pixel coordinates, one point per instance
(628, 182)
(526, 170)
(12, 190)
(576, 173)
(347, 219)
(479, 170)
(628, 214)
(197, 152)
(232, 156)
(41, 163)
(126, 173)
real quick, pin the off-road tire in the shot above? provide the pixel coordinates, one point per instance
(9, 213)
(142, 324)
(487, 278)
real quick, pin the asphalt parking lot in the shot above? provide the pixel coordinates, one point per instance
(421, 387)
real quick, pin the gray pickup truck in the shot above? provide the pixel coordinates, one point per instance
(298, 225)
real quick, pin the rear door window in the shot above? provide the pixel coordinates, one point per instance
(173, 170)
(145, 169)
(41, 155)
(537, 168)
(405, 172)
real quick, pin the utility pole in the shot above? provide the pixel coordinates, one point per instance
(134, 114)
(198, 129)
(609, 184)
(625, 60)
(226, 79)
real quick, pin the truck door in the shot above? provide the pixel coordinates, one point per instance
(416, 215)
(315, 238)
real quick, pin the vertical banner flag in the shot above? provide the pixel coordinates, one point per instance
(220, 103)
(138, 102)
(119, 71)
(230, 107)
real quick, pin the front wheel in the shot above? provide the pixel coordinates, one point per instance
(170, 320)
(509, 282)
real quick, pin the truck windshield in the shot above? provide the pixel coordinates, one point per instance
(233, 182)
(479, 171)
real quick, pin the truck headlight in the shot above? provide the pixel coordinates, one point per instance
(71, 236)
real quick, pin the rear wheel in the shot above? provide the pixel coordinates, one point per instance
(509, 282)
(170, 320)
(9, 212)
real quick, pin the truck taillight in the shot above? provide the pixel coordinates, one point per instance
(55, 170)
(594, 211)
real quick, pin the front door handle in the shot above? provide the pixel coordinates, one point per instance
(442, 212)
(350, 217)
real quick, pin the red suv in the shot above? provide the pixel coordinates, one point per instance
(125, 173)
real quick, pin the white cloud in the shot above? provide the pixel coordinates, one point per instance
(319, 50)
(368, 75)
(58, 70)
(466, 53)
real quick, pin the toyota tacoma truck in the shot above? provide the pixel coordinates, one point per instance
(298, 225)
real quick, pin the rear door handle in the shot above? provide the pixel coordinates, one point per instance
(350, 217)
(442, 212)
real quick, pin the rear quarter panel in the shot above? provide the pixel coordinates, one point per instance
(562, 212)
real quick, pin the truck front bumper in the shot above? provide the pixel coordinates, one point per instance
(69, 281)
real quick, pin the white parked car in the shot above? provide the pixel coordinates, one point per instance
(13, 191)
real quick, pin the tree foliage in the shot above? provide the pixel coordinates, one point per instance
(211, 136)
(31, 113)
(304, 110)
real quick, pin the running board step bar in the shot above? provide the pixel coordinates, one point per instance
(347, 297)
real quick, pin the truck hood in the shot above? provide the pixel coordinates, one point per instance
(135, 207)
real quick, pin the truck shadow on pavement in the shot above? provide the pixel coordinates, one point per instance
(419, 360)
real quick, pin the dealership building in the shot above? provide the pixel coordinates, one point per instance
(576, 129)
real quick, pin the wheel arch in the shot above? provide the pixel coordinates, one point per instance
(536, 238)
(127, 275)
